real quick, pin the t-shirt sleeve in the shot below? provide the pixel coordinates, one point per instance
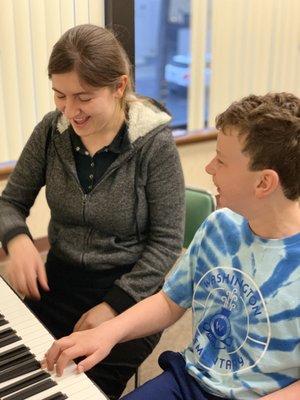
(179, 285)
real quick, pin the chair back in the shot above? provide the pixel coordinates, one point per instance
(199, 203)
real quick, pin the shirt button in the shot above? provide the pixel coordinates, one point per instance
(90, 187)
(86, 153)
(91, 176)
(77, 148)
(92, 164)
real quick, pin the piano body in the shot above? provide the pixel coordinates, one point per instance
(24, 341)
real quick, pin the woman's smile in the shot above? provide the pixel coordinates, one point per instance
(80, 122)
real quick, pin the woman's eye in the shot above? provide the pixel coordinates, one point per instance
(219, 161)
(84, 99)
(59, 96)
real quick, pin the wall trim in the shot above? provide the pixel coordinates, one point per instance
(187, 137)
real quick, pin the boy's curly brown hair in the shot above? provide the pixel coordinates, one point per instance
(270, 126)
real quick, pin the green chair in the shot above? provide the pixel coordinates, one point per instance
(199, 203)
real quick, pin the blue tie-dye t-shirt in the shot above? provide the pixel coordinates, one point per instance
(245, 297)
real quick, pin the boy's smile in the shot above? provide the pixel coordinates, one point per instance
(234, 182)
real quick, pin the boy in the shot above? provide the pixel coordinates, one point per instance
(240, 274)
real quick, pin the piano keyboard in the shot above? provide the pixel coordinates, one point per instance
(24, 341)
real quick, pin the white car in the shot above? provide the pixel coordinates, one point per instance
(177, 72)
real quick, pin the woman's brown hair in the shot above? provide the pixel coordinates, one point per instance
(95, 55)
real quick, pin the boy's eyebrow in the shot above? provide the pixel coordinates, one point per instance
(75, 94)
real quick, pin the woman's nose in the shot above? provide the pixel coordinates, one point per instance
(70, 110)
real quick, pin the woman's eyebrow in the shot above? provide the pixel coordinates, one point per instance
(75, 94)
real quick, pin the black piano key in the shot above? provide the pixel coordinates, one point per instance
(9, 340)
(6, 332)
(9, 361)
(19, 360)
(22, 383)
(31, 391)
(11, 353)
(17, 370)
(8, 336)
(56, 396)
(3, 321)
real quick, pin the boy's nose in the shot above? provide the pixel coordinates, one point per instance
(209, 168)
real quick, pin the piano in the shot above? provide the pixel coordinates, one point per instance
(23, 342)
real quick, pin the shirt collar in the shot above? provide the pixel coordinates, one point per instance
(119, 144)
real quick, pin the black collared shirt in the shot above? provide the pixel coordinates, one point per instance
(89, 168)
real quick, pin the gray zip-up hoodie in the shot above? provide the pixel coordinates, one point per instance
(134, 215)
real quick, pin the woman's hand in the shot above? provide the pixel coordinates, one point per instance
(95, 344)
(26, 267)
(95, 316)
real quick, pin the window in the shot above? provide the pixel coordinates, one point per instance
(195, 56)
(162, 53)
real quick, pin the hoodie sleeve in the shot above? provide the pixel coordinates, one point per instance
(165, 195)
(24, 184)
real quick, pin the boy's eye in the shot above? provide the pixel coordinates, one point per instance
(219, 161)
(59, 96)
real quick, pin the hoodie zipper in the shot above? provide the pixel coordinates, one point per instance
(87, 240)
(83, 206)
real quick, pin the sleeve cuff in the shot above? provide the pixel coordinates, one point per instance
(118, 299)
(11, 234)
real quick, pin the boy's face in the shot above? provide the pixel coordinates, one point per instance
(235, 183)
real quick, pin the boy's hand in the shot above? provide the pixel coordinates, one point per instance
(26, 267)
(95, 316)
(95, 344)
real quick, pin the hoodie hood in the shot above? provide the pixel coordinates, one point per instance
(144, 115)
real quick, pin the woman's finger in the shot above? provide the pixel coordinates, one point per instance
(79, 324)
(32, 286)
(42, 276)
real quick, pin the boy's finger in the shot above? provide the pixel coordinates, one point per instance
(57, 348)
(66, 356)
(53, 354)
(90, 361)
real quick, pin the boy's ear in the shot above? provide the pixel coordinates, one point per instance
(268, 182)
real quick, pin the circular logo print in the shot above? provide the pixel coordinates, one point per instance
(232, 330)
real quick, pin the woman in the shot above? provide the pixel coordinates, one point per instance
(115, 189)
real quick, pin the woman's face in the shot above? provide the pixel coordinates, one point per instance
(90, 110)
